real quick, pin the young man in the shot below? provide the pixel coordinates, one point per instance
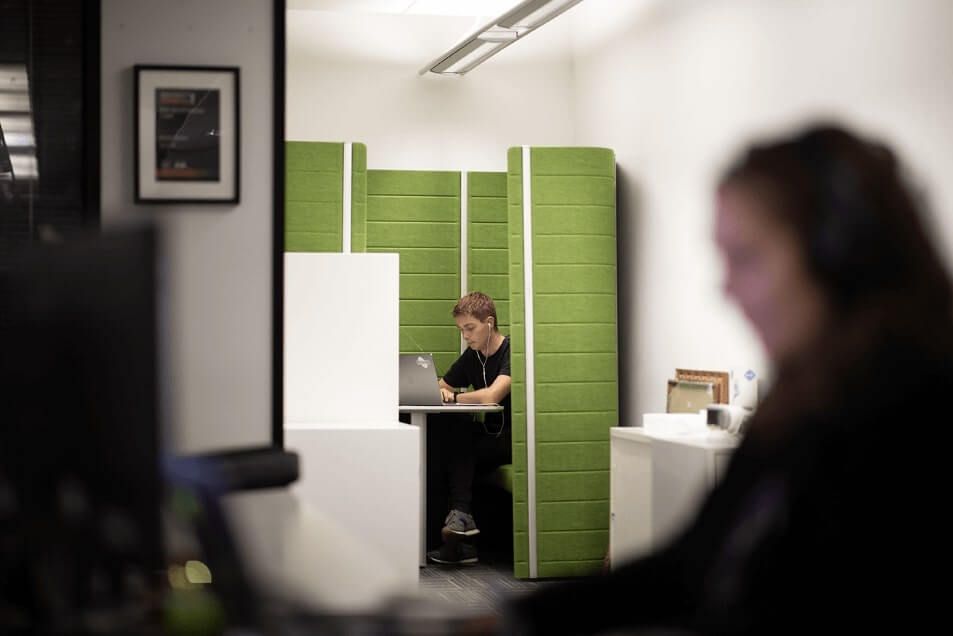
(468, 443)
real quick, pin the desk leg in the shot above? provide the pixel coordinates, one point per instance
(420, 421)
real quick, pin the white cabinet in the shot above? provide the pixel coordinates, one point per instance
(657, 483)
(360, 467)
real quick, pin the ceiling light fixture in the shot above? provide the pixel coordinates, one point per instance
(18, 149)
(492, 38)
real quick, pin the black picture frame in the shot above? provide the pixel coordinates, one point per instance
(187, 134)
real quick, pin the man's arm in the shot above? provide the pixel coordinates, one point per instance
(492, 394)
(446, 391)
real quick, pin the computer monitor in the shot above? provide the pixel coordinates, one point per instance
(79, 461)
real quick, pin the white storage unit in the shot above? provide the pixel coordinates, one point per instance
(657, 482)
(359, 464)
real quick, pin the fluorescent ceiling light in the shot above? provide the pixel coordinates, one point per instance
(534, 13)
(467, 56)
(498, 35)
(16, 122)
(19, 139)
(13, 77)
(468, 8)
(20, 123)
(24, 167)
(14, 102)
(492, 38)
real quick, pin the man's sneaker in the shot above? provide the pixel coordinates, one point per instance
(454, 553)
(460, 524)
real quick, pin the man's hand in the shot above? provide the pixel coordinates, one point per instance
(446, 395)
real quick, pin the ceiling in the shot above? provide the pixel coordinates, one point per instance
(409, 7)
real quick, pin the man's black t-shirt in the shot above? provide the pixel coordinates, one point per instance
(468, 371)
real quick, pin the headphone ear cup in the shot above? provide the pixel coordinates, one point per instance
(844, 245)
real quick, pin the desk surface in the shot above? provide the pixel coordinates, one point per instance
(451, 408)
(712, 438)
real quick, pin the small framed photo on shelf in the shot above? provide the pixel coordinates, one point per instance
(187, 134)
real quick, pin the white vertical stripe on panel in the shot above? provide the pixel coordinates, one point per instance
(346, 206)
(529, 327)
(464, 242)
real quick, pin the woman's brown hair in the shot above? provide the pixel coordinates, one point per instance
(860, 230)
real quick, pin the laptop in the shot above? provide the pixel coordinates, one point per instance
(418, 380)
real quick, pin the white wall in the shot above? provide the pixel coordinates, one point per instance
(353, 77)
(676, 86)
(218, 335)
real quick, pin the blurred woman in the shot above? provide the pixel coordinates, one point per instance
(827, 514)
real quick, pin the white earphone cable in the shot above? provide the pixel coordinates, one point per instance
(486, 384)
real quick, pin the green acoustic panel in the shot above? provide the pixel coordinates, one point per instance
(567, 426)
(314, 196)
(568, 515)
(520, 548)
(417, 214)
(581, 397)
(584, 545)
(490, 262)
(574, 545)
(431, 286)
(358, 197)
(554, 457)
(425, 313)
(562, 190)
(517, 362)
(568, 220)
(576, 352)
(578, 367)
(422, 260)
(398, 234)
(488, 254)
(566, 569)
(579, 309)
(578, 278)
(574, 486)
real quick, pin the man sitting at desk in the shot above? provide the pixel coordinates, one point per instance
(467, 443)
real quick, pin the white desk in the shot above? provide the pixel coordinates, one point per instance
(418, 418)
(657, 482)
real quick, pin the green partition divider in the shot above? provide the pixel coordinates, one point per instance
(314, 196)
(487, 250)
(575, 382)
(359, 198)
(417, 214)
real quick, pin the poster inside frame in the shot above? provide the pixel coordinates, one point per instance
(187, 134)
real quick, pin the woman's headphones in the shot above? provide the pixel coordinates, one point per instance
(845, 241)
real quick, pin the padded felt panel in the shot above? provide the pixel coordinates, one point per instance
(358, 197)
(314, 196)
(417, 214)
(517, 361)
(488, 259)
(576, 368)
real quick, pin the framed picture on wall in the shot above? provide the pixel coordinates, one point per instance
(187, 134)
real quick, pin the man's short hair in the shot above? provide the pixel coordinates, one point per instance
(476, 304)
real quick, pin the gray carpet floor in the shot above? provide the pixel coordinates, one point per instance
(479, 589)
